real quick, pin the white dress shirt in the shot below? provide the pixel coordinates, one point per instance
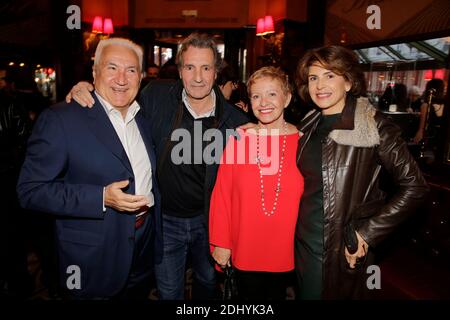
(134, 146)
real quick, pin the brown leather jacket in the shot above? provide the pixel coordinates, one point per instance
(360, 148)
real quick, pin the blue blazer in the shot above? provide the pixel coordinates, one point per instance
(72, 154)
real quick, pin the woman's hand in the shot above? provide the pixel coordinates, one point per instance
(353, 259)
(81, 93)
(222, 256)
(418, 137)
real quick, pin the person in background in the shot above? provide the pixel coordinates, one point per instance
(434, 89)
(227, 80)
(15, 280)
(386, 98)
(37, 227)
(431, 124)
(401, 97)
(256, 230)
(394, 98)
(231, 87)
(347, 145)
(415, 99)
(239, 97)
(169, 70)
(151, 73)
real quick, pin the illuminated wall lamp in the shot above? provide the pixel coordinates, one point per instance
(264, 26)
(97, 25)
(101, 26)
(108, 27)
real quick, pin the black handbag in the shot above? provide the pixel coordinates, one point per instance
(351, 243)
(350, 239)
(230, 291)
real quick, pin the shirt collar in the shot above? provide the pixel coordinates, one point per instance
(192, 111)
(132, 109)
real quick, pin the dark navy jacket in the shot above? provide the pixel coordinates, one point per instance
(72, 154)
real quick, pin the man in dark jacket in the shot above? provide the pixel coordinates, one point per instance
(192, 108)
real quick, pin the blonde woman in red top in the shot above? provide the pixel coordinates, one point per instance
(256, 197)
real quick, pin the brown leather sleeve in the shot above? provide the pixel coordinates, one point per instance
(405, 173)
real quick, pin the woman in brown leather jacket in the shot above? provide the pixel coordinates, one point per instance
(347, 145)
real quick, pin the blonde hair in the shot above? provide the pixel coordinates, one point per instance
(273, 73)
(118, 42)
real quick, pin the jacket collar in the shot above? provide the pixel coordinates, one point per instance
(357, 126)
(364, 132)
(347, 121)
(222, 112)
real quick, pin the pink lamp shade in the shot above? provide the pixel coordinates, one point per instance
(428, 75)
(97, 25)
(260, 27)
(268, 25)
(108, 27)
(439, 74)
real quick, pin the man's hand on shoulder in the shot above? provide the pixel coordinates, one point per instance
(81, 94)
(248, 125)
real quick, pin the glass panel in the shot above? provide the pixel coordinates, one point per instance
(221, 49)
(441, 44)
(166, 54)
(156, 58)
(406, 52)
(409, 52)
(45, 79)
(360, 58)
(376, 54)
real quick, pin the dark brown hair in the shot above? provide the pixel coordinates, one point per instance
(340, 60)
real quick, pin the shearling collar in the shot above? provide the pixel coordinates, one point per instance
(357, 126)
(364, 132)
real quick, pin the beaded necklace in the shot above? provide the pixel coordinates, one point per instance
(259, 160)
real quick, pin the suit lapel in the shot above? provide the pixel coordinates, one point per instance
(144, 129)
(103, 129)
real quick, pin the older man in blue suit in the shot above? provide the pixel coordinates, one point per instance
(94, 170)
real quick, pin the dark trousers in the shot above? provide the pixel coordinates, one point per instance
(254, 285)
(139, 282)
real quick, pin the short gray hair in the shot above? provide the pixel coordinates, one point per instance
(202, 41)
(118, 42)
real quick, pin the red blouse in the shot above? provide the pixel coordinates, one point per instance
(258, 242)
